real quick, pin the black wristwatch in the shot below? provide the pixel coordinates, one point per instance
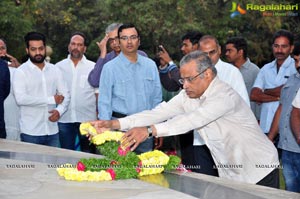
(149, 130)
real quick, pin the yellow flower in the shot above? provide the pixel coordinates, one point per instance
(107, 136)
(87, 128)
(153, 162)
(75, 175)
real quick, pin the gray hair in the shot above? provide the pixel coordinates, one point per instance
(112, 27)
(202, 60)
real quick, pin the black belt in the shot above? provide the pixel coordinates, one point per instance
(118, 115)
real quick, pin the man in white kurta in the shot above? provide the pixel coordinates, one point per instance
(75, 69)
(222, 118)
(41, 93)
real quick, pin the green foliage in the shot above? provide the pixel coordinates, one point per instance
(160, 22)
(124, 166)
(173, 163)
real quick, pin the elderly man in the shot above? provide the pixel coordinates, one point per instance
(220, 116)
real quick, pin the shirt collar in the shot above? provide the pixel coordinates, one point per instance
(32, 65)
(126, 61)
(247, 63)
(287, 62)
(209, 88)
(83, 59)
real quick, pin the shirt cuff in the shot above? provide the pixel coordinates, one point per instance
(51, 100)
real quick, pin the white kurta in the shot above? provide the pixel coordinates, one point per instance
(34, 90)
(226, 124)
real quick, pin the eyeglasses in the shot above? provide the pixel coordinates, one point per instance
(211, 53)
(132, 37)
(190, 79)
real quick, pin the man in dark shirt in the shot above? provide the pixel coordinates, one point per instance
(4, 92)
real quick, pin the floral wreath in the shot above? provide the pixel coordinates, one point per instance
(118, 163)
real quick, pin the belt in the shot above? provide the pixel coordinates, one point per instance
(118, 115)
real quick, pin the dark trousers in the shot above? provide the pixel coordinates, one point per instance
(67, 137)
(271, 180)
(186, 148)
(204, 162)
(2, 133)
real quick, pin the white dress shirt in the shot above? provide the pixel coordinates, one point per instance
(34, 90)
(226, 123)
(232, 76)
(267, 78)
(82, 106)
(296, 101)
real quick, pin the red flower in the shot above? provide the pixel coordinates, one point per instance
(123, 152)
(112, 173)
(140, 164)
(80, 166)
(138, 169)
(113, 162)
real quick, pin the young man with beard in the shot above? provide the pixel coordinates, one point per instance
(129, 83)
(75, 69)
(237, 54)
(41, 93)
(288, 141)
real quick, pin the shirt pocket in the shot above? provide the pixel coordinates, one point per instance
(83, 83)
(121, 87)
(149, 85)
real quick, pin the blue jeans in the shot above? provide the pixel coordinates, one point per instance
(291, 170)
(48, 140)
(145, 146)
(67, 134)
(67, 137)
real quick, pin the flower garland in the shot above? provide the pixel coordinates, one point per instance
(119, 163)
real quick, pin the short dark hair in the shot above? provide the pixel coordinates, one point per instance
(240, 44)
(284, 33)
(80, 34)
(36, 36)
(193, 36)
(296, 50)
(126, 26)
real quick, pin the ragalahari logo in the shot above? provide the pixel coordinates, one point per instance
(237, 10)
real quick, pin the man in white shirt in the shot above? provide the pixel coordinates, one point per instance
(272, 76)
(219, 115)
(75, 69)
(41, 93)
(230, 75)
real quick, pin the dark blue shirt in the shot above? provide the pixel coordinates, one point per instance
(4, 92)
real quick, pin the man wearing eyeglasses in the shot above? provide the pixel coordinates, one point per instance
(219, 115)
(110, 38)
(267, 86)
(232, 76)
(129, 83)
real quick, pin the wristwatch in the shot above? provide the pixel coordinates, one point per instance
(149, 130)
